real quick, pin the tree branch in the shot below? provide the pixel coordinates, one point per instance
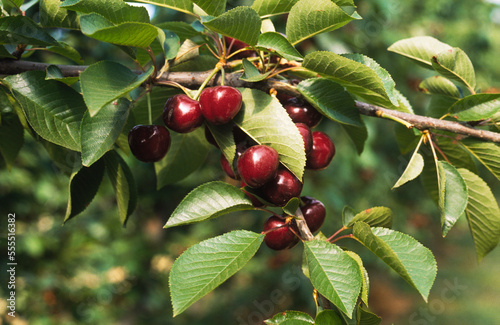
(195, 79)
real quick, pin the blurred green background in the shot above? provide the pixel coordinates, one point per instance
(93, 271)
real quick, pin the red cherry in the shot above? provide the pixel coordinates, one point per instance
(322, 151)
(258, 165)
(255, 201)
(314, 213)
(182, 114)
(236, 45)
(282, 188)
(149, 143)
(302, 112)
(281, 237)
(220, 104)
(306, 134)
(227, 168)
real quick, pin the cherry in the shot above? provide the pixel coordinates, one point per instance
(306, 134)
(302, 112)
(255, 201)
(238, 45)
(322, 151)
(282, 188)
(149, 143)
(220, 104)
(281, 237)
(227, 168)
(258, 165)
(182, 114)
(314, 212)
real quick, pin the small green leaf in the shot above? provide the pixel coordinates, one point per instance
(212, 7)
(291, 207)
(487, 153)
(83, 186)
(209, 201)
(483, 214)
(365, 284)
(105, 81)
(54, 73)
(185, 6)
(116, 11)
(366, 317)
(224, 137)
(242, 23)
(180, 28)
(409, 258)
(251, 73)
(23, 30)
(99, 133)
(331, 100)
(348, 214)
(273, 7)
(476, 107)
(159, 96)
(186, 154)
(358, 136)
(334, 274)
(4, 53)
(206, 265)
(66, 51)
(407, 139)
(328, 317)
(123, 183)
(455, 64)
(457, 155)
(11, 135)
(420, 49)
(308, 18)
(413, 169)
(52, 15)
(375, 217)
(53, 109)
(290, 317)
(440, 86)
(452, 195)
(279, 44)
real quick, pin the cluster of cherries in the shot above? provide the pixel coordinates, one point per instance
(258, 168)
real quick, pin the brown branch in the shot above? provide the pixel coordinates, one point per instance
(195, 79)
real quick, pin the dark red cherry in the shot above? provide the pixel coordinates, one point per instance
(306, 134)
(281, 236)
(314, 212)
(182, 114)
(149, 143)
(322, 151)
(282, 188)
(255, 201)
(220, 104)
(258, 165)
(236, 45)
(303, 113)
(227, 168)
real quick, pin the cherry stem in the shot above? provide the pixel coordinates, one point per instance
(217, 68)
(336, 233)
(269, 211)
(341, 237)
(150, 115)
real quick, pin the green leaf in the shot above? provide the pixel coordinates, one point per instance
(356, 77)
(291, 207)
(159, 96)
(180, 28)
(366, 317)
(127, 34)
(358, 135)
(67, 161)
(290, 317)
(279, 44)
(187, 153)
(407, 139)
(420, 49)
(204, 266)
(123, 183)
(83, 186)
(105, 81)
(53, 109)
(476, 107)
(54, 73)
(457, 155)
(11, 135)
(440, 86)
(66, 51)
(483, 214)
(242, 23)
(264, 119)
(99, 133)
(212, 7)
(452, 195)
(4, 53)
(224, 137)
(251, 73)
(185, 6)
(439, 105)
(23, 30)
(365, 284)
(209, 201)
(116, 11)
(413, 169)
(334, 274)
(273, 7)
(328, 317)
(308, 18)
(455, 64)
(53, 16)
(374, 217)
(331, 100)
(348, 214)
(409, 258)
(487, 153)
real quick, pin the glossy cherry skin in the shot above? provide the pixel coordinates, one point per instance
(282, 188)
(220, 104)
(149, 143)
(281, 237)
(238, 45)
(306, 134)
(301, 112)
(227, 168)
(258, 165)
(182, 114)
(314, 212)
(322, 151)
